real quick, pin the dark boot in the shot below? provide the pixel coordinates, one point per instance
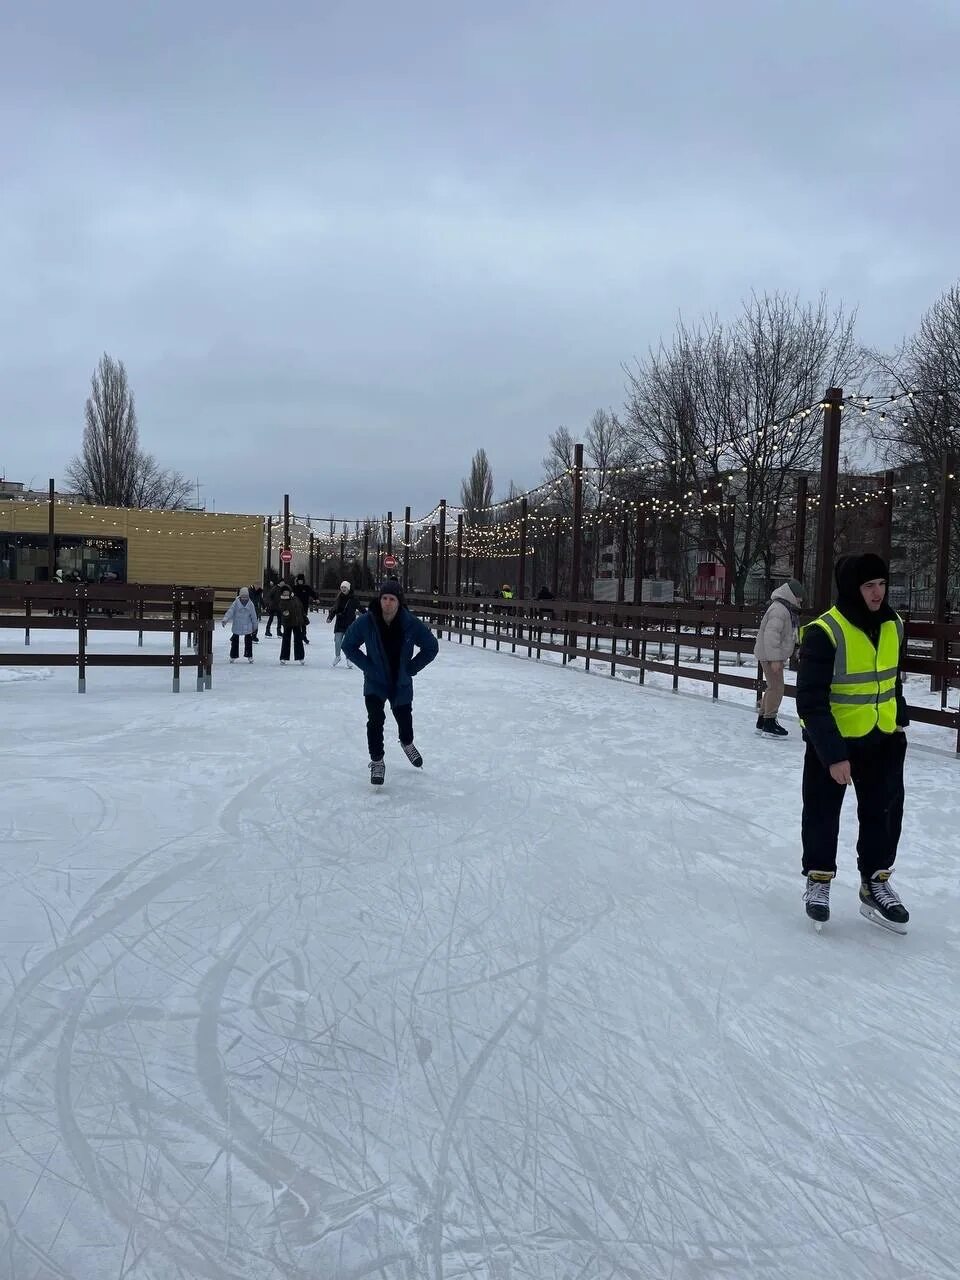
(771, 728)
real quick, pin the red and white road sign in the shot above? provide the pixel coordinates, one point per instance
(389, 562)
(286, 555)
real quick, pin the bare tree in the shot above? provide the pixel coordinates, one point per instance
(923, 426)
(111, 468)
(724, 414)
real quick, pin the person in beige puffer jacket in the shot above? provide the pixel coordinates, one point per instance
(776, 641)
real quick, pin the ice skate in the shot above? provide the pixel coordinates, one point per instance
(378, 771)
(250, 659)
(772, 728)
(413, 755)
(336, 661)
(881, 905)
(816, 897)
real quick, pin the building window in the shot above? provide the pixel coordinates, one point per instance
(24, 557)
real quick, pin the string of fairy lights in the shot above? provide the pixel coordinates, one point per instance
(497, 530)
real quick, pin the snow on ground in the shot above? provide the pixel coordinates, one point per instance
(548, 1008)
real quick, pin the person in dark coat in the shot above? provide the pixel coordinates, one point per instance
(305, 594)
(271, 601)
(381, 643)
(342, 615)
(290, 613)
(851, 705)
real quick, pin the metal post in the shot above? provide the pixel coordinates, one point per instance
(622, 576)
(389, 533)
(459, 552)
(286, 535)
(800, 531)
(269, 547)
(577, 521)
(441, 579)
(433, 559)
(826, 517)
(406, 548)
(310, 564)
(522, 573)
(639, 555)
(51, 541)
(886, 531)
(556, 557)
(730, 533)
(366, 553)
(947, 485)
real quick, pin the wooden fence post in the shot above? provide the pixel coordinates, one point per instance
(886, 532)
(826, 516)
(286, 535)
(51, 536)
(406, 548)
(800, 531)
(441, 579)
(940, 601)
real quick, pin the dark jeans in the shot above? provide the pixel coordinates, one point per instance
(375, 722)
(247, 646)
(297, 644)
(876, 765)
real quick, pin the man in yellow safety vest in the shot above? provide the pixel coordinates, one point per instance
(850, 703)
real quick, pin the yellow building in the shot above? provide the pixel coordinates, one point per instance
(182, 548)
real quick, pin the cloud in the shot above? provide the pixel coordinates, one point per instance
(340, 247)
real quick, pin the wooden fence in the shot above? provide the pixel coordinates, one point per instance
(683, 642)
(84, 607)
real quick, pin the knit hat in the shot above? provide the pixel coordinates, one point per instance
(853, 571)
(391, 587)
(244, 593)
(796, 588)
(344, 587)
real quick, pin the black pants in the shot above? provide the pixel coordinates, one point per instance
(297, 644)
(247, 646)
(876, 765)
(375, 721)
(270, 618)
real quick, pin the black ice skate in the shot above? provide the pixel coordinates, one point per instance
(816, 897)
(413, 755)
(378, 771)
(880, 904)
(772, 728)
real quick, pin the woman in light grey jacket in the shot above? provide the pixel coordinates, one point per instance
(776, 641)
(243, 615)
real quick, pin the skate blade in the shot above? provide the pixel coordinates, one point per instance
(875, 918)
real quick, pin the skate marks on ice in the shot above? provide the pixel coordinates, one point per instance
(540, 1028)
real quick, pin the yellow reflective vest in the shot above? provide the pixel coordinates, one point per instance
(863, 691)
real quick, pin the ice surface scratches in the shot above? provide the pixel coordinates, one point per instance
(548, 1009)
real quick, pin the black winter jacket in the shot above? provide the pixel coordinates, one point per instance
(344, 611)
(814, 677)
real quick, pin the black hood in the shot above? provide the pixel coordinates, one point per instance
(851, 573)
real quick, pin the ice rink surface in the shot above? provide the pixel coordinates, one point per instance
(548, 1008)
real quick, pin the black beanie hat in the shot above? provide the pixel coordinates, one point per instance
(390, 587)
(853, 571)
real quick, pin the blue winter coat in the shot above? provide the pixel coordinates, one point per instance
(377, 677)
(243, 616)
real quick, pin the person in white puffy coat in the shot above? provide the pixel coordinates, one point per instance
(243, 615)
(776, 642)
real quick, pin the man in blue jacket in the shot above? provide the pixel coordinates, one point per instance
(389, 633)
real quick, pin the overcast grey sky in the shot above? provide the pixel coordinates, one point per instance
(340, 246)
